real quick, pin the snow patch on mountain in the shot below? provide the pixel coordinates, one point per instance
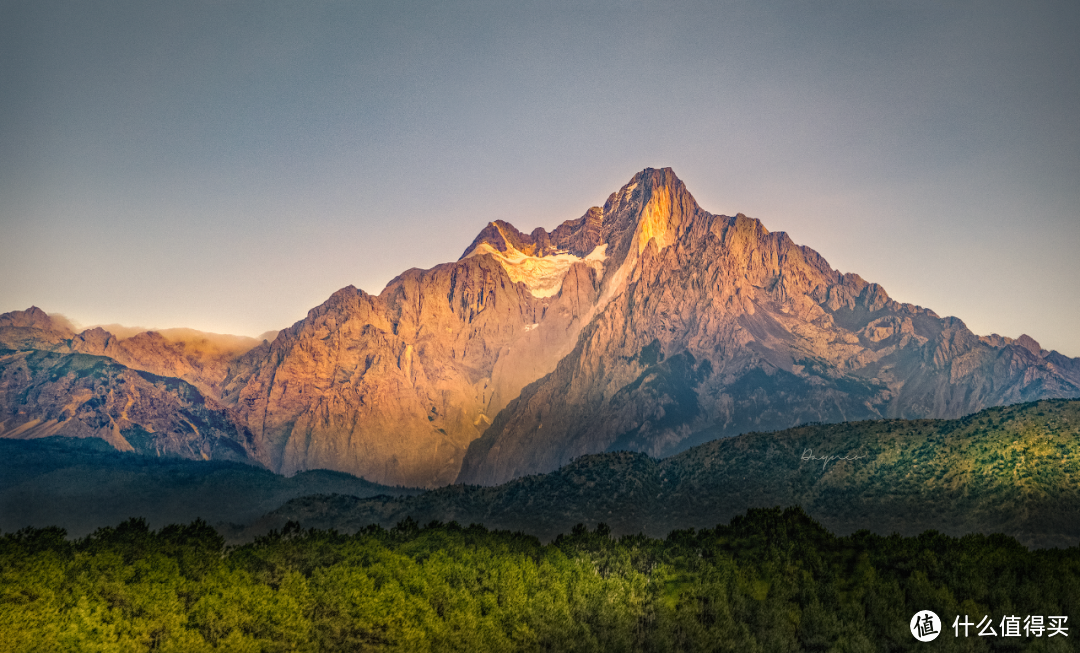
(542, 275)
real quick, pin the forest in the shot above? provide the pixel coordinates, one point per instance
(770, 580)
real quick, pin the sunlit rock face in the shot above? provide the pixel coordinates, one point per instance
(394, 387)
(647, 324)
(714, 326)
(148, 393)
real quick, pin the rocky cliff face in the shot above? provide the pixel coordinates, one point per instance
(715, 326)
(395, 387)
(647, 324)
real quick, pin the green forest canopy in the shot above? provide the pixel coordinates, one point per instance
(771, 580)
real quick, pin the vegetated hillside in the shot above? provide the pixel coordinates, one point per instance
(1011, 470)
(83, 484)
(769, 581)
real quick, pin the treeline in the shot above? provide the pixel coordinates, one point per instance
(772, 580)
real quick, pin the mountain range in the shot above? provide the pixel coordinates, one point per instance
(647, 325)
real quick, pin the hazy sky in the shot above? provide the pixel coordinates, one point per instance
(226, 166)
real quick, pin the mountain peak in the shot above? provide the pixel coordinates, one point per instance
(33, 328)
(659, 217)
(506, 238)
(653, 206)
(665, 175)
(1030, 344)
(32, 317)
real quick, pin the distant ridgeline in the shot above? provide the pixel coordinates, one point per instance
(771, 580)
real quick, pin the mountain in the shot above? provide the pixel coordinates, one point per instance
(647, 324)
(395, 387)
(709, 326)
(154, 393)
(45, 393)
(202, 359)
(1009, 470)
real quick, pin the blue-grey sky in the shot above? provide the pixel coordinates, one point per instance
(226, 166)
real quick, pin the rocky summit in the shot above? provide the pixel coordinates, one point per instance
(647, 324)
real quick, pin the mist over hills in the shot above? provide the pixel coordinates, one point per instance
(647, 324)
